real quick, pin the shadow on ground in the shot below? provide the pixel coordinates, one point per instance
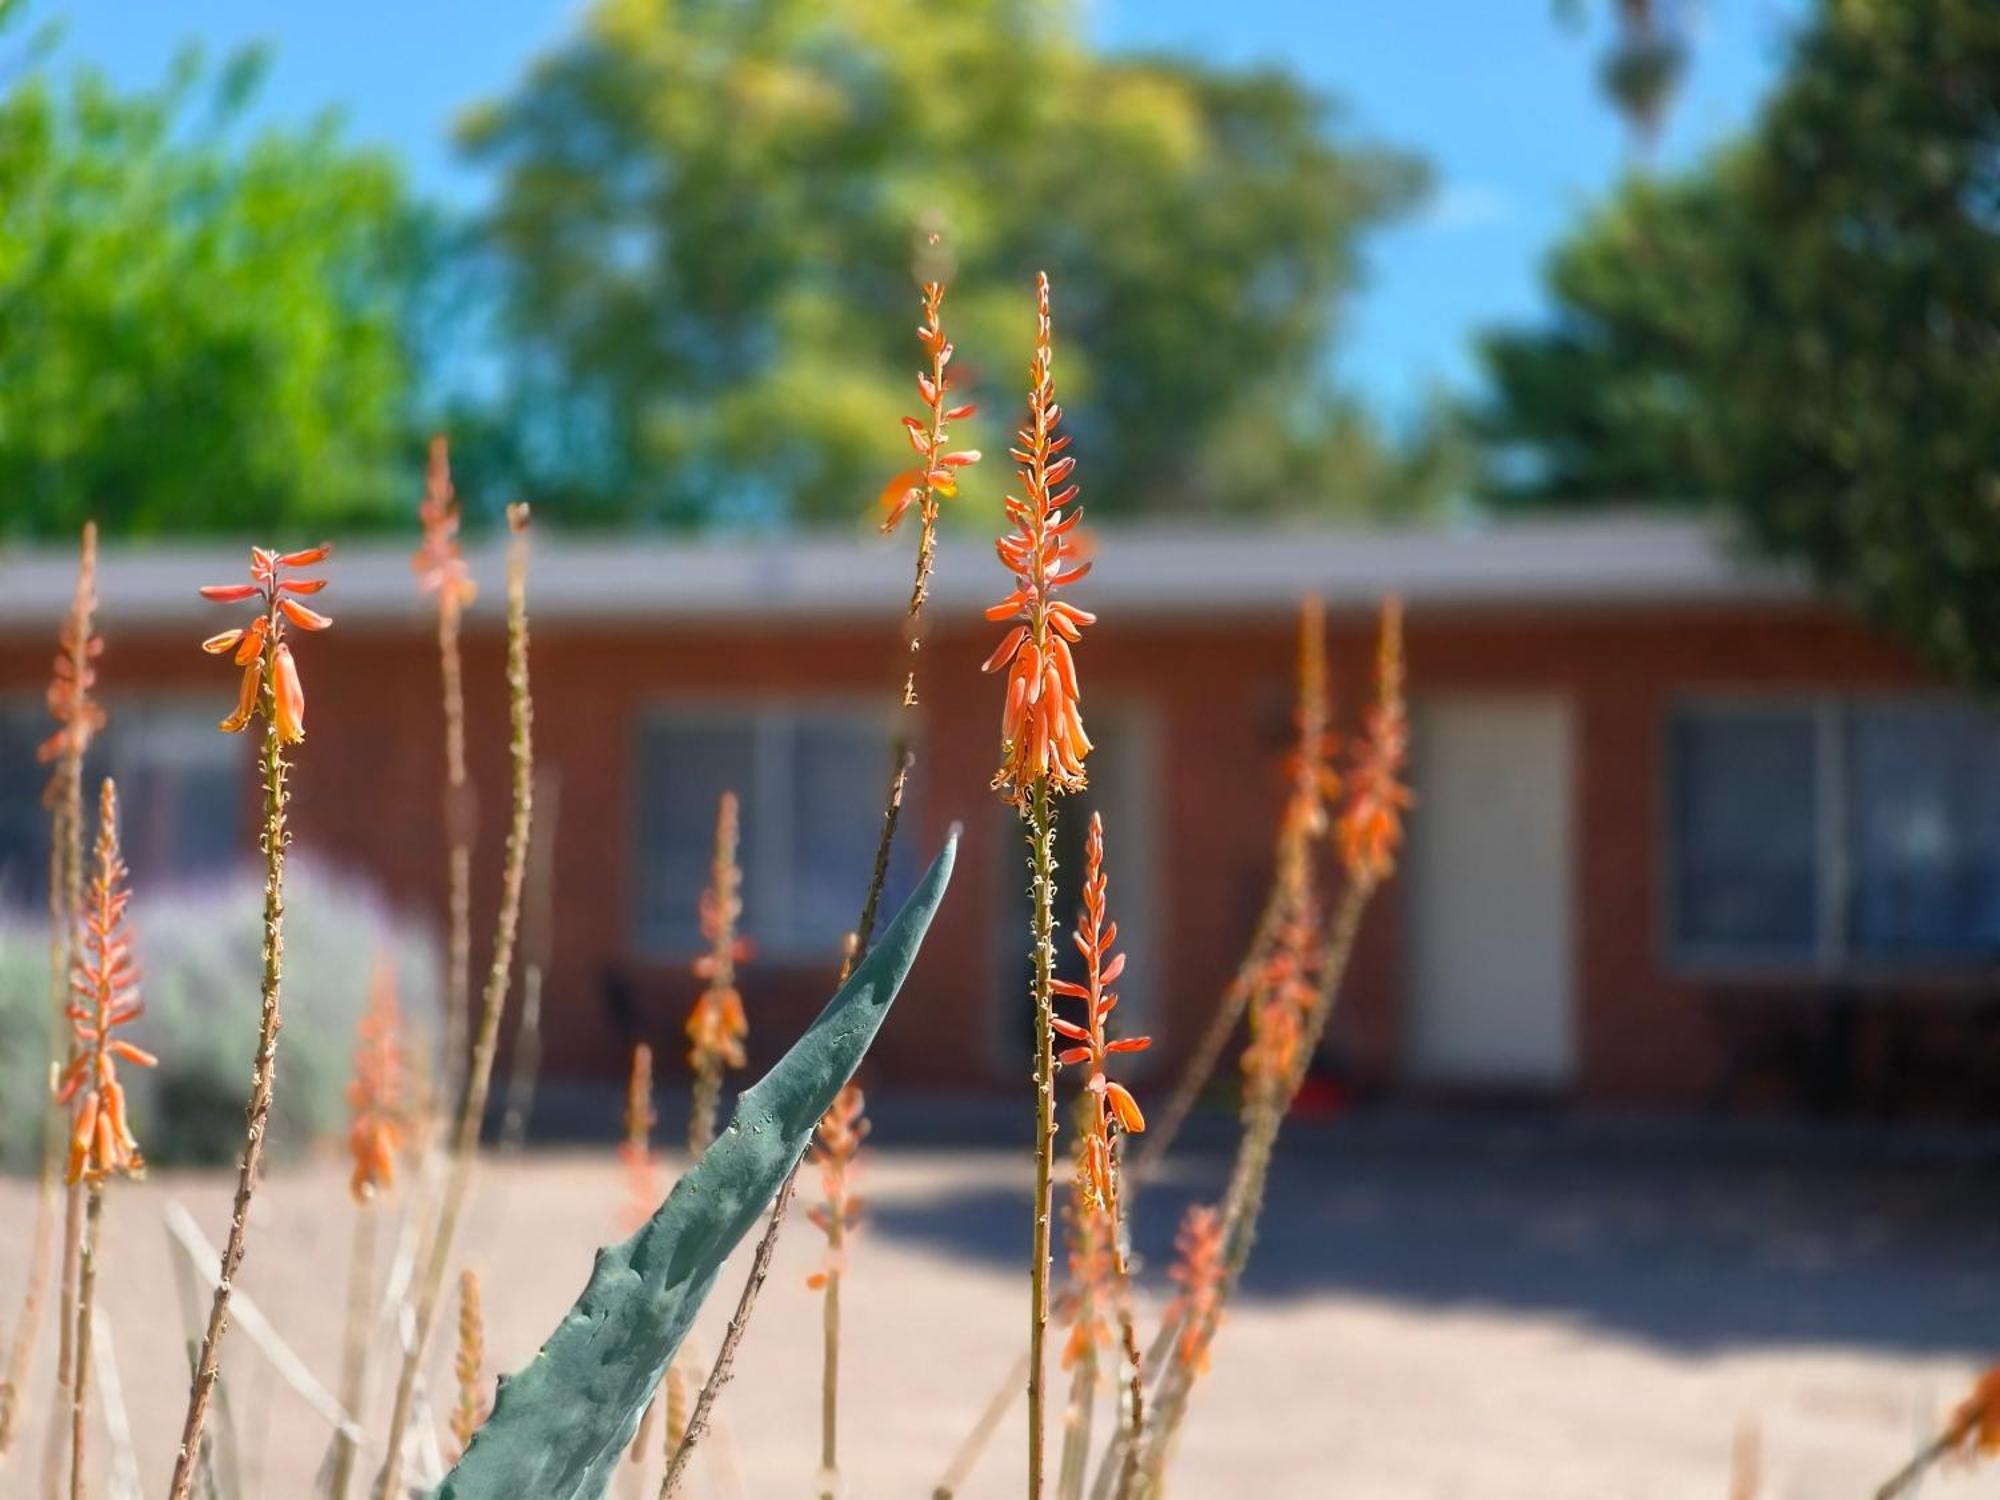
(1696, 1243)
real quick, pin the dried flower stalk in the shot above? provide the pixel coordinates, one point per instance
(441, 570)
(493, 1003)
(270, 687)
(78, 717)
(467, 1364)
(836, 1216)
(716, 1026)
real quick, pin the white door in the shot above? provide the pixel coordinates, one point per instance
(1490, 875)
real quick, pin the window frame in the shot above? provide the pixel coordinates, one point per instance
(764, 712)
(1835, 960)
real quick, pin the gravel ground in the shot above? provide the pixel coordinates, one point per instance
(1449, 1314)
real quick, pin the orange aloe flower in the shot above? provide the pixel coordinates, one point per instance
(375, 1094)
(1197, 1275)
(1041, 726)
(1092, 1269)
(1309, 764)
(936, 470)
(105, 984)
(1287, 985)
(841, 1131)
(635, 1151)
(1371, 825)
(1974, 1428)
(439, 562)
(260, 646)
(468, 1360)
(716, 1026)
(78, 716)
(1109, 1103)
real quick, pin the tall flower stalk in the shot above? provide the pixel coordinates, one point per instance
(635, 1149)
(441, 572)
(78, 716)
(716, 1026)
(934, 477)
(468, 1365)
(1109, 1112)
(105, 997)
(1042, 751)
(269, 689)
(1369, 834)
(378, 1113)
(493, 1001)
(836, 1215)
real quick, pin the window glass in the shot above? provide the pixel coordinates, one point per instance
(1923, 820)
(809, 782)
(1746, 790)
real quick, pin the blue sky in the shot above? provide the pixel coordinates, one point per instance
(1499, 95)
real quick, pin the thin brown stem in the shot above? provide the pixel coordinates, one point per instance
(732, 1338)
(1041, 838)
(829, 1379)
(1920, 1464)
(250, 1165)
(1134, 1420)
(86, 1295)
(961, 1465)
(458, 834)
(1078, 1420)
(355, 1343)
(493, 1003)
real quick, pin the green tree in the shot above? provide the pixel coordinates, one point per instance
(1806, 329)
(202, 328)
(709, 215)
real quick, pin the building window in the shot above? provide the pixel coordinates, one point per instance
(809, 779)
(180, 793)
(1835, 836)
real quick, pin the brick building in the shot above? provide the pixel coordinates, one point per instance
(1680, 820)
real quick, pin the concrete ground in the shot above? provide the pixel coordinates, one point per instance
(1473, 1309)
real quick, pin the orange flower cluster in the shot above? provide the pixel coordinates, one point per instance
(104, 982)
(841, 1130)
(1041, 727)
(1197, 1275)
(1309, 765)
(78, 716)
(440, 563)
(1974, 1429)
(467, 1361)
(1108, 1102)
(375, 1093)
(262, 642)
(1091, 1268)
(1371, 825)
(1287, 986)
(716, 1025)
(936, 472)
(635, 1151)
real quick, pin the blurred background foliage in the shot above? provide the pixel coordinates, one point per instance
(687, 297)
(1805, 329)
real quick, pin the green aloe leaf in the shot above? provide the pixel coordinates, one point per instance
(560, 1426)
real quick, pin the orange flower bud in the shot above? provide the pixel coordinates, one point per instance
(290, 696)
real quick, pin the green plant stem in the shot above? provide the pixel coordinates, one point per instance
(1134, 1420)
(1077, 1422)
(493, 1005)
(1041, 835)
(86, 1294)
(250, 1164)
(960, 1467)
(355, 1343)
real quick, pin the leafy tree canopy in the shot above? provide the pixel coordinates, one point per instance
(710, 217)
(201, 328)
(1806, 329)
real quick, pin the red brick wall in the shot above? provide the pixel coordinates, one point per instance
(1216, 692)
